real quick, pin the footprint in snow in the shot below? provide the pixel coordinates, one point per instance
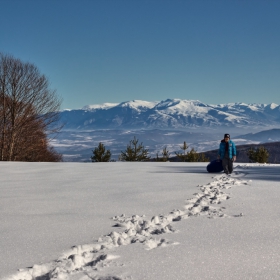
(91, 258)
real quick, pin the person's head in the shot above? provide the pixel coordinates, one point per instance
(226, 137)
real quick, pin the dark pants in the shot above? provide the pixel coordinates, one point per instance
(227, 164)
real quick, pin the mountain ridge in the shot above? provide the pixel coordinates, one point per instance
(171, 113)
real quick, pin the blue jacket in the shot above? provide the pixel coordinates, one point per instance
(231, 149)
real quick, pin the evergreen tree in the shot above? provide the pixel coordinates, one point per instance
(203, 158)
(192, 156)
(100, 154)
(183, 156)
(260, 155)
(157, 158)
(184, 147)
(165, 154)
(251, 154)
(134, 152)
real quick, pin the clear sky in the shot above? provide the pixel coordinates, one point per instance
(215, 51)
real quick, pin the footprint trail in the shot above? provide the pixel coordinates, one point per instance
(90, 261)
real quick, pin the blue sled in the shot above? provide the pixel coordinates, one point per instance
(215, 166)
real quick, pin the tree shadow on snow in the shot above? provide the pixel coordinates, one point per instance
(265, 173)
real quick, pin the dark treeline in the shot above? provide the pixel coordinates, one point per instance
(135, 151)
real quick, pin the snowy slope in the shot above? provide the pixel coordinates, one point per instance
(103, 106)
(146, 221)
(171, 113)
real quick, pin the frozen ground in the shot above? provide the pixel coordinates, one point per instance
(65, 221)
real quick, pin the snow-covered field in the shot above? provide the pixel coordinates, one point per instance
(138, 221)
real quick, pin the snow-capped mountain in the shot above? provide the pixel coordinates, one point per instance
(171, 113)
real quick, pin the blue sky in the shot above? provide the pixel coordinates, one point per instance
(215, 51)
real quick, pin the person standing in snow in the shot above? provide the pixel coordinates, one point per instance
(227, 153)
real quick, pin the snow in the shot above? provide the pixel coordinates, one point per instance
(232, 118)
(253, 107)
(138, 221)
(135, 104)
(183, 107)
(138, 104)
(104, 106)
(273, 106)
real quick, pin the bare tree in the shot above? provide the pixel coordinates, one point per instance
(29, 110)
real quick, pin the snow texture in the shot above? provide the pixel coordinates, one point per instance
(189, 242)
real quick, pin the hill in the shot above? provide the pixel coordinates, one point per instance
(273, 149)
